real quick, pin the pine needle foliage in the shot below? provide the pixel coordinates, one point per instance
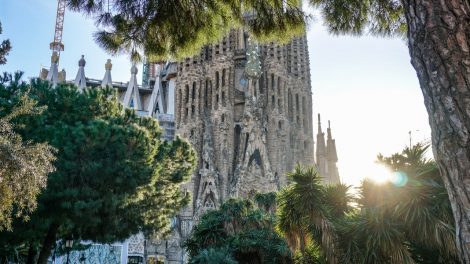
(179, 28)
(5, 48)
(357, 17)
(114, 175)
(246, 235)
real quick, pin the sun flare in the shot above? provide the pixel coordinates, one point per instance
(379, 174)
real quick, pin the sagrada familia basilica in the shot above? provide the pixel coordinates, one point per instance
(246, 109)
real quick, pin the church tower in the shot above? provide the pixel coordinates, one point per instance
(326, 156)
(247, 110)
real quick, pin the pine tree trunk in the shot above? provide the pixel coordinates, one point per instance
(439, 44)
(47, 245)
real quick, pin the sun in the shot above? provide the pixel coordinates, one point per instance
(379, 174)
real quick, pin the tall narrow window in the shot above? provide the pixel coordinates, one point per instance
(272, 81)
(193, 92)
(206, 91)
(297, 102)
(186, 99)
(217, 80)
(223, 77)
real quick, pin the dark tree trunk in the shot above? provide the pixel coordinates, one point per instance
(31, 254)
(439, 44)
(47, 245)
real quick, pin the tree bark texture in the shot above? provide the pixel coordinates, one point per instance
(439, 45)
(47, 245)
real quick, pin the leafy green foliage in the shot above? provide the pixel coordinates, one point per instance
(303, 213)
(214, 256)
(5, 48)
(24, 165)
(408, 220)
(179, 28)
(377, 17)
(114, 175)
(244, 233)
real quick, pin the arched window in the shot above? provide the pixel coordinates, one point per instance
(272, 81)
(297, 107)
(186, 99)
(193, 91)
(217, 80)
(223, 77)
(179, 105)
(279, 86)
(289, 104)
(206, 92)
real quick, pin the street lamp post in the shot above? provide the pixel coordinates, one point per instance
(68, 246)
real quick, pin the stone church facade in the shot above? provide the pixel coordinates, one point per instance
(248, 128)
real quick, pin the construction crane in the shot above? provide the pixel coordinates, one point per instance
(53, 75)
(56, 45)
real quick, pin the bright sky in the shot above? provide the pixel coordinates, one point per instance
(365, 86)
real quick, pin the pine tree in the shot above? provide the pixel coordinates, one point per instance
(114, 175)
(5, 48)
(179, 28)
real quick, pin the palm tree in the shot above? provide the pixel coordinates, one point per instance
(303, 213)
(408, 220)
(245, 233)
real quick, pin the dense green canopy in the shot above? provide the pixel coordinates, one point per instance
(407, 220)
(242, 232)
(179, 28)
(114, 175)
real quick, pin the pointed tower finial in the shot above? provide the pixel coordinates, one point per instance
(156, 98)
(53, 74)
(80, 79)
(107, 80)
(132, 95)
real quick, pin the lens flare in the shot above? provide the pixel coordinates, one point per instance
(380, 174)
(399, 179)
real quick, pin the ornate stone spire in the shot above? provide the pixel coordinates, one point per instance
(53, 74)
(132, 96)
(80, 80)
(332, 158)
(157, 94)
(107, 80)
(321, 151)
